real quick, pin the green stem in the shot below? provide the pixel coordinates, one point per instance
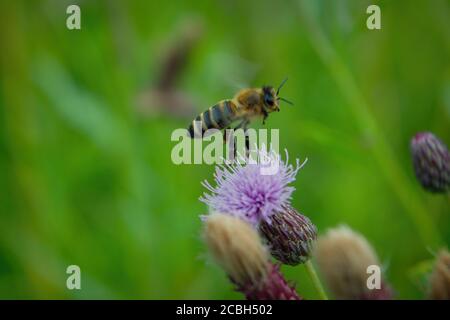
(315, 279)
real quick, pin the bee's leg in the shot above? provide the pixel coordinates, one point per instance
(247, 146)
(244, 126)
(225, 134)
(247, 140)
(265, 115)
(228, 139)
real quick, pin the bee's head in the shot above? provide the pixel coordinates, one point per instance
(271, 102)
(271, 98)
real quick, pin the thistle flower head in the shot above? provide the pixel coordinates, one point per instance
(343, 257)
(255, 190)
(431, 161)
(440, 278)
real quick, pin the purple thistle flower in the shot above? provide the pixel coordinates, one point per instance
(252, 191)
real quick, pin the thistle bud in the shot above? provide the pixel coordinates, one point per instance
(237, 248)
(440, 278)
(343, 257)
(290, 236)
(431, 161)
(274, 287)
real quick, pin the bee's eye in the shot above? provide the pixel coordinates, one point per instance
(269, 100)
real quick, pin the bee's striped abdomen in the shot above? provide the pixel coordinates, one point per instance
(218, 116)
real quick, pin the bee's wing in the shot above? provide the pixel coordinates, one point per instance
(236, 85)
(241, 74)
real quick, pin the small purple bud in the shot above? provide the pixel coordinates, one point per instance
(290, 236)
(431, 161)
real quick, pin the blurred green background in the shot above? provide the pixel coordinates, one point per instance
(86, 173)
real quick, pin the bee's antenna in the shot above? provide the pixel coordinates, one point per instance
(286, 100)
(281, 85)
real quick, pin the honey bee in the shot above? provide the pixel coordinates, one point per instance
(246, 105)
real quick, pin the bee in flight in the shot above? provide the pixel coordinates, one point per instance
(246, 105)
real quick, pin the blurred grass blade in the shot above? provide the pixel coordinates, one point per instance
(78, 108)
(369, 127)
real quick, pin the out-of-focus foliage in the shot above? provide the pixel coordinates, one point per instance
(86, 174)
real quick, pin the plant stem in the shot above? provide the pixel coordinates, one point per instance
(315, 279)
